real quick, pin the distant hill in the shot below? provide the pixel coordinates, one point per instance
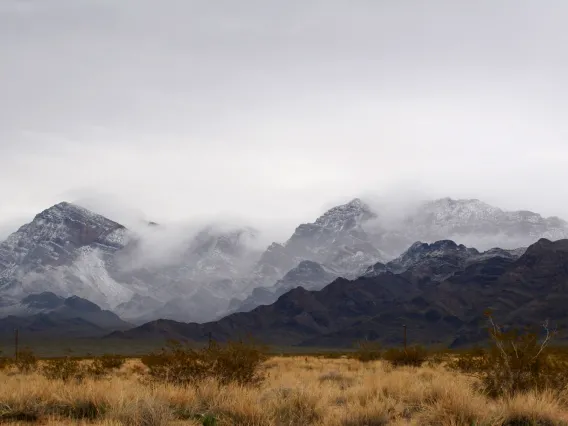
(52, 316)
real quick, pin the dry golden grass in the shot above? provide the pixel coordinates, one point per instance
(299, 391)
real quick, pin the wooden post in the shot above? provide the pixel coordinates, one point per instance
(404, 327)
(16, 338)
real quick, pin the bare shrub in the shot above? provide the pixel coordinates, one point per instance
(65, 368)
(4, 361)
(26, 361)
(335, 377)
(104, 365)
(368, 351)
(516, 362)
(234, 362)
(412, 356)
(177, 364)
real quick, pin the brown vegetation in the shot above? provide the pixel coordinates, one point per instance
(518, 361)
(234, 362)
(316, 391)
(520, 380)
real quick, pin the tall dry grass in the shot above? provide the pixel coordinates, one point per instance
(299, 391)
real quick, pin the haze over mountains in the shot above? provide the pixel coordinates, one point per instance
(522, 289)
(68, 251)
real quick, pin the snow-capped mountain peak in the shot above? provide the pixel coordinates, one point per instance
(56, 232)
(178, 274)
(462, 210)
(349, 214)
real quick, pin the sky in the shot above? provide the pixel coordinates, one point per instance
(272, 111)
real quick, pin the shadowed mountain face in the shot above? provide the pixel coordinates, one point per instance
(439, 260)
(349, 239)
(425, 262)
(308, 275)
(70, 251)
(49, 315)
(64, 250)
(520, 290)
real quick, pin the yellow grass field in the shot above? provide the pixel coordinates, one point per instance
(298, 391)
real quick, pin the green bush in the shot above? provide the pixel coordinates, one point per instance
(411, 356)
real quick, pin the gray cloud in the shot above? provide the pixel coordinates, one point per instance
(271, 111)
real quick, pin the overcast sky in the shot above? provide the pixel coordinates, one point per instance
(275, 110)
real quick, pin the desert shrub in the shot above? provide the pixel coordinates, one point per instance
(342, 381)
(234, 362)
(437, 358)
(4, 361)
(411, 356)
(65, 368)
(470, 361)
(110, 361)
(26, 361)
(516, 362)
(105, 364)
(177, 364)
(367, 351)
(209, 420)
(78, 410)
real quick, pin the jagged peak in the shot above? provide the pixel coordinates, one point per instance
(306, 266)
(65, 210)
(79, 303)
(426, 248)
(449, 202)
(351, 210)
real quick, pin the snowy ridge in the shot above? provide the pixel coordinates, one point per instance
(335, 240)
(353, 213)
(56, 232)
(440, 259)
(353, 239)
(69, 250)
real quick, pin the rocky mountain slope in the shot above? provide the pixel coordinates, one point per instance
(470, 222)
(65, 250)
(349, 238)
(49, 315)
(69, 250)
(439, 260)
(309, 275)
(520, 290)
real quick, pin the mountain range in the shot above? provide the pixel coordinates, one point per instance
(47, 314)
(441, 297)
(68, 251)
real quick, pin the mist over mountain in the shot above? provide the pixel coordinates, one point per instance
(440, 293)
(200, 272)
(48, 315)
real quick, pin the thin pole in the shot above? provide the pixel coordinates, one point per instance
(404, 327)
(16, 338)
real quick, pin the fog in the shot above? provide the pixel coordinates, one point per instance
(267, 112)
